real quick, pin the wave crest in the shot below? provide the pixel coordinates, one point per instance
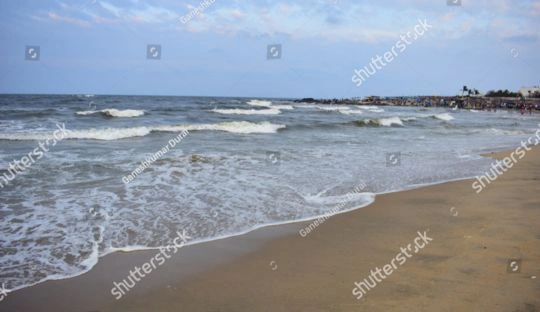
(113, 112)
(382, 122)
(239, 111)
(109, 134)
(444, 116)
(259, 103)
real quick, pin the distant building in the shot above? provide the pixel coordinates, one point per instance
(527, 91)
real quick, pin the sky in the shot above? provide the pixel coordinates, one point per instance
(264, 48)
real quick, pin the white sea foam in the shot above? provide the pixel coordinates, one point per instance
(284, 107)
(319, 199)
(112, 112)
(86, 113)
(408, 118)
(382, 122)
(333, 108)
(387, 122)
(444, 116)
(505, 132)
(351, 112)
(239, 111)
(368, 107)
(243, 127)
(108, 134)
(371, 108)
(259, 103)
(305, 106)
(96, 134)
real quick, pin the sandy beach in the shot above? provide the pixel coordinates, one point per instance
(273, 156)
(465, 267)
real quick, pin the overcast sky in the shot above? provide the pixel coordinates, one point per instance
(100, 47)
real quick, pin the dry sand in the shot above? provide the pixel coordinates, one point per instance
(274, 269)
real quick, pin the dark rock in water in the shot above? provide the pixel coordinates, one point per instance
(306, 100)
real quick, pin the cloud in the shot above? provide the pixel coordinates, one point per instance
(69, 20)
(346, 20)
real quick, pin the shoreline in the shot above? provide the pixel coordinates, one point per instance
(249, 231)
(111, 267)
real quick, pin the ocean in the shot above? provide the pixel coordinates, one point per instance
(114, 181)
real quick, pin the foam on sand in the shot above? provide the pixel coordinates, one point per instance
(365, 198)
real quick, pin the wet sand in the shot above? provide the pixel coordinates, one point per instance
(464, 267)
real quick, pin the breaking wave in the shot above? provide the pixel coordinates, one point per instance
(259, 103)
(112, 112)
(444, 116)
(382, 122)
(239, 111)
(108, 134)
